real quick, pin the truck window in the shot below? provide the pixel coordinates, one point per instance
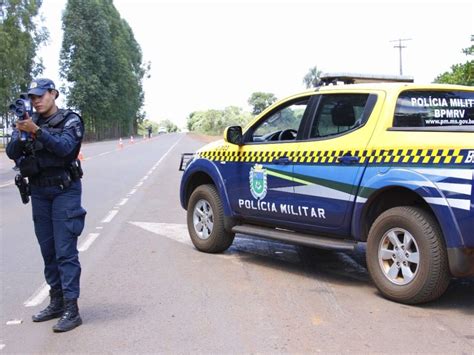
(282, 124)
(434, 109)
(339, 113)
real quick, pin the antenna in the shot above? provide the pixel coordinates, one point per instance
(399, 46)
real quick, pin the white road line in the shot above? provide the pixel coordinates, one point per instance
(123, 202)
(43, 291)
(2, 346)
(139, 184)
(177, 232)
(7, 184)
(167, 152)
(91, 237)
(14, 322)
(38, 297)
(110, 216)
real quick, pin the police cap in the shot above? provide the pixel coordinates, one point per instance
(38, 87)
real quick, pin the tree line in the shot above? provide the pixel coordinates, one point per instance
(103, 63)
(103, 68)
(214, 122)
(100, 61)
(146, 124)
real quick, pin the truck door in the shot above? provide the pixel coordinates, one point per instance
(328, 175)
(258, 176)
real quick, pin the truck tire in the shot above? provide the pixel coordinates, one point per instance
(205, 218)
(406, 256)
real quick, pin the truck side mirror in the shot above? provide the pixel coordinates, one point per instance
(233, 134)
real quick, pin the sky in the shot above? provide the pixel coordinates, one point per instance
(213, 54)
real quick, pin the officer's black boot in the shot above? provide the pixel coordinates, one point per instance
(70, 318)
(55, 308)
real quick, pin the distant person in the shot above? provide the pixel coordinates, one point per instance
(49, 159)
(150, 130)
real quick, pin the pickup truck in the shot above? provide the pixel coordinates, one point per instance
(389, 165)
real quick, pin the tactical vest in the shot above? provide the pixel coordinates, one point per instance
(53, 125)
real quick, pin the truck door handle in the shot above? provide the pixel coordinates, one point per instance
(282, 161)
(348, 159)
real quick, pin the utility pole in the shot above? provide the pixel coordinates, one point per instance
(399, 46)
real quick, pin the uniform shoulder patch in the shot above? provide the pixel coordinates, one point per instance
(74, 122)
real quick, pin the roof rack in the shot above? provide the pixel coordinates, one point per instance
(354, 78)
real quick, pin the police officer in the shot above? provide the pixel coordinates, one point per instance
(49, 159)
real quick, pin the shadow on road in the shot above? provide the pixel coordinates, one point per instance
(107, 312)
(459, 295)
(347, 268)
(333, 266)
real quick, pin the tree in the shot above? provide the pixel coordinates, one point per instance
(213, 122)
(86, 44)
(20, 37)
(312, 78)
(191, 121)
(462, 74)
(102, 63)
(260, 101)
(170, 126)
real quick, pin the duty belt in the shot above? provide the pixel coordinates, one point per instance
(48, 181)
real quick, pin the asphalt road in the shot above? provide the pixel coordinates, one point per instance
(145, 289)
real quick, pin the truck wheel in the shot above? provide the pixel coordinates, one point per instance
(205, 217)
(406, 256)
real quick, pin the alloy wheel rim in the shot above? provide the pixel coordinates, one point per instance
(203, 219)
(399, 256)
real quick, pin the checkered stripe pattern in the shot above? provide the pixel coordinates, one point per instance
(376, 156)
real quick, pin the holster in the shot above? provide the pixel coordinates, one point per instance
(75, 169)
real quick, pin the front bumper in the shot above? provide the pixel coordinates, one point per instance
(461, 261)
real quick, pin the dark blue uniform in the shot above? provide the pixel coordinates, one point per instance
(56, 196)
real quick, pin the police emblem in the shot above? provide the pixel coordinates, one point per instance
(258, 181)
